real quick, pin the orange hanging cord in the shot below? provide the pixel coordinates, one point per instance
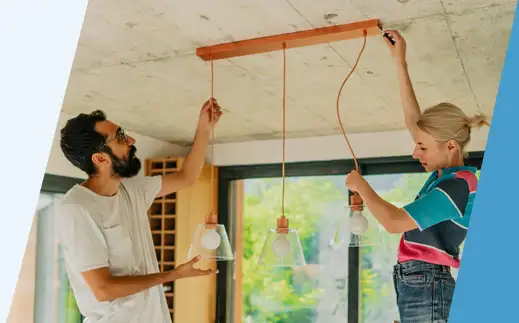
(339, 97)
(355, 200)
(284, 127)
(212, 133)
(211, 219)
(282, 222)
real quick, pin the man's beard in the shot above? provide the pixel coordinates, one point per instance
(126, 167)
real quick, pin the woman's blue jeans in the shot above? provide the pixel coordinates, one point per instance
(424, 292)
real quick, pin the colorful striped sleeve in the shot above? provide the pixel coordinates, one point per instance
(447, 201)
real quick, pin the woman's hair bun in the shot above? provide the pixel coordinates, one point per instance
(479, 120)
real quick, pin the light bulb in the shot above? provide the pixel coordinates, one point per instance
(281, 246)
(358, 223)
(211, 239)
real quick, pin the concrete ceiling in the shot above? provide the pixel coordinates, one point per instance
(136, 61)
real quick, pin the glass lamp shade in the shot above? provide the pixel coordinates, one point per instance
(282, 248)
(211, 242)
(356, 230)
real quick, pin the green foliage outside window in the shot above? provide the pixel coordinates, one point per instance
(281, 296)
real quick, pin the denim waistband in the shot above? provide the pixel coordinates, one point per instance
(417, 265)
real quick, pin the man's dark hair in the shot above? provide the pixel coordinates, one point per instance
(79, 140)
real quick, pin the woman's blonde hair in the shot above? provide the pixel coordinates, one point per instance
(445, 121)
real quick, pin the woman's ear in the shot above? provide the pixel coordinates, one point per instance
(452, 146)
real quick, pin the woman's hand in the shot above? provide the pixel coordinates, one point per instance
(392, 218)
(398, 50)
(355, 181)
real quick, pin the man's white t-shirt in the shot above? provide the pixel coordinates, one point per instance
(97, 231)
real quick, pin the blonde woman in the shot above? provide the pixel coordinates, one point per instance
(435, 224)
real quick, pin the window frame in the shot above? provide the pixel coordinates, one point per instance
(368, 166)
(57, 184)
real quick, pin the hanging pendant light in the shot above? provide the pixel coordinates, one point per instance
(355, 231)
(282, 247)
(210, 240)
(283, 241)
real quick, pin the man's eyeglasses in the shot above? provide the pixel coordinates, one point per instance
(120, 136)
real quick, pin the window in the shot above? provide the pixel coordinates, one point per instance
(378, 299)
(315, 293)
(42, 293)
(346, 287)
(55, 301)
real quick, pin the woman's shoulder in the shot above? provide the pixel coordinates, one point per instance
(458, 184)
(465, 179)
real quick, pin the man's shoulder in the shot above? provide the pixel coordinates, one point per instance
(74, 196)
(142, 182)
(142, 179)
(76, 201)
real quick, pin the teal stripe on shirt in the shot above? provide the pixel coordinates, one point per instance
(433, 208)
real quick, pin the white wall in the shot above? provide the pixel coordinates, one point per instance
(366, 145)
(147, 147)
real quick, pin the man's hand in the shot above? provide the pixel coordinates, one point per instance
(192, 166)
(106, 287)
(188, 270)
(210, 115)
(398, 50)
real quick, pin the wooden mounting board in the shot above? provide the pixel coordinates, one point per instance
(291, 40)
